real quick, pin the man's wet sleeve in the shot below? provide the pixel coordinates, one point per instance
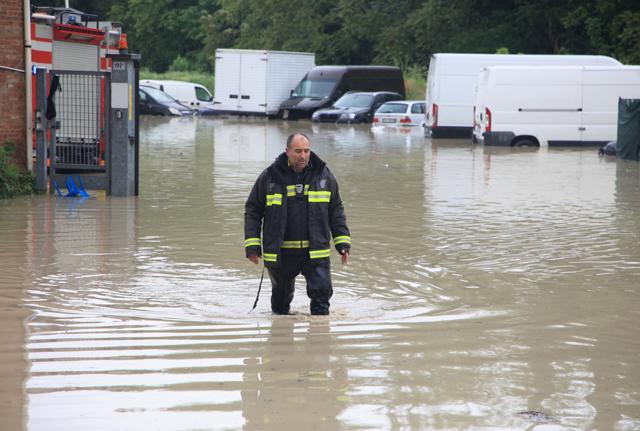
(338, 221)
(253, 214)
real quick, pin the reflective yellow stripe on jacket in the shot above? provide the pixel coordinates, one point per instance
(295, 244)
(319, 196)
(319, 254)
(274, 199)
(344, 239)
(251, 241)
(291, 190)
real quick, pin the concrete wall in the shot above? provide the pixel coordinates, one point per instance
(12, 97)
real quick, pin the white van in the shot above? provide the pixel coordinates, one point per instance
(190, 94)
(451, 83)
(552, 105)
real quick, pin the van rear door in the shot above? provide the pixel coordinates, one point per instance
(601, 89)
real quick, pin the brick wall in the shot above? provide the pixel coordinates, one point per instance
(12, 97)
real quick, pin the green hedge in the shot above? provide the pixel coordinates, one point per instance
(13, 179)
(415, 82)
(204, 79)
(414, 79)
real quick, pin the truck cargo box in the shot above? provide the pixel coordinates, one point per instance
(254, 82)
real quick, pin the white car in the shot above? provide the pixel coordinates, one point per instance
(404, 113)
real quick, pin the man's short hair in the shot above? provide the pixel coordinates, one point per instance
(293, 135)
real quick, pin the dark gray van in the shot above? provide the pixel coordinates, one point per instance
(323, 85)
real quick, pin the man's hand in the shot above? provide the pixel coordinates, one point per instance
(254, 258)
(345, 257)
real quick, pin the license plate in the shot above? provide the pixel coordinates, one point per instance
(285, 114)
(388, 120)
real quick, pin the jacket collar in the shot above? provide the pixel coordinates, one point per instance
(279, 167)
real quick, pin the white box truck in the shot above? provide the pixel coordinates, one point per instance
(253, 82)
(552, 105)
(451, 83)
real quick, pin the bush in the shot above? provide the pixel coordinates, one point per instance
(415, 81)
(13, 179)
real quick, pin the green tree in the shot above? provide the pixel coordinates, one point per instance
(606, 27)
(162, 30)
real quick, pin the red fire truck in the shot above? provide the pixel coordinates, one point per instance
(64, 39)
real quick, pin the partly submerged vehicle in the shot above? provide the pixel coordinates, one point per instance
(324, 85)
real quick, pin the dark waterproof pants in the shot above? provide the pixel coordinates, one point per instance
(317, 275)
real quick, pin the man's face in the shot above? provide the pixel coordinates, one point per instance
(299, 153)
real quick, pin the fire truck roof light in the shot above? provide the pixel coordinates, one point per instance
(42, 16)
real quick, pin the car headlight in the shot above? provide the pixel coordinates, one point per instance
(347, 116)
(315, 116)
(174, 111)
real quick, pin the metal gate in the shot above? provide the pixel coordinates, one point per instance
(81, 103)
(72, 126)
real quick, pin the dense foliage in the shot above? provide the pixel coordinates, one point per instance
(13, 179)
(183, 34)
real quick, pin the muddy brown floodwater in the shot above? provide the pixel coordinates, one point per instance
(488, 289)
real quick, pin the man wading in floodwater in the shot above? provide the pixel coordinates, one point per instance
(296, 203)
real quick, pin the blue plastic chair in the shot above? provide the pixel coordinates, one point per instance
(82, 191)
(72, 190)
(56, 187)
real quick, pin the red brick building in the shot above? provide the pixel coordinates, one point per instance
(12, 82)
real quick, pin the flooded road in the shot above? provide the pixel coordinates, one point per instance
(483, 282)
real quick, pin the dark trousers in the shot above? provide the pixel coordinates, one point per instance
(317, 275)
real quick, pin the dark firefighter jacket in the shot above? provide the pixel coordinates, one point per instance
(266, 213)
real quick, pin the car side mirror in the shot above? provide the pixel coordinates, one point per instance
(291, 93)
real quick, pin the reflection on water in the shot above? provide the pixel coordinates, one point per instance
(484, 282)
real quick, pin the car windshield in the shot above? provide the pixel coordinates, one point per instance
(311, 88)
(393, 108)
(354, 100)
(158, 96)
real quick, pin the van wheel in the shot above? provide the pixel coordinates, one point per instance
(525, 142)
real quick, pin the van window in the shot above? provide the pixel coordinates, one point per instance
(375, 84)
(380, 99)
(389, 97)
(203, 95)
(312, 88)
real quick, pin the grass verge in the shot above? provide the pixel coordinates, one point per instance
(204, 79)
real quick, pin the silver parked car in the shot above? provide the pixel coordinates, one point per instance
(400, 113)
